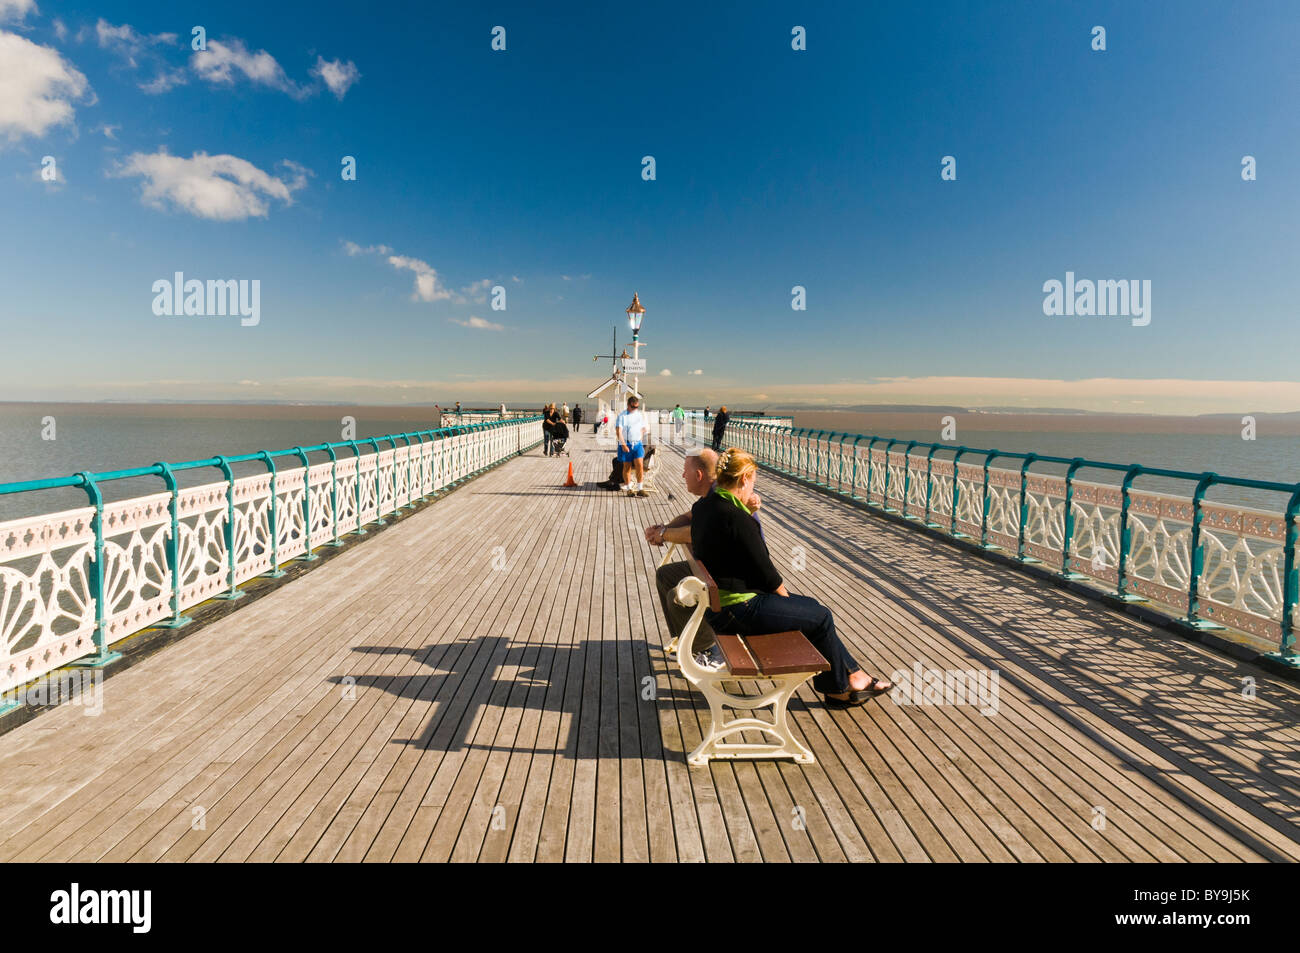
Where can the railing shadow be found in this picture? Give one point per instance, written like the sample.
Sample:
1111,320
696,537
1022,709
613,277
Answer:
1163,695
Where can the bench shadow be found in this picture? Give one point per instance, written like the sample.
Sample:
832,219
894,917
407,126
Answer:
489,693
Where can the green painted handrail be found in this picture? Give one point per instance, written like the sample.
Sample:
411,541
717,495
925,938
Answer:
956,486
929,485
1130,471
1067,542
984,508
96,581
1024,507
854,485
173,551
1197,552
871,455
907,472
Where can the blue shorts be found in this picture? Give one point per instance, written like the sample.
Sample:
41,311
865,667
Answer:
634,452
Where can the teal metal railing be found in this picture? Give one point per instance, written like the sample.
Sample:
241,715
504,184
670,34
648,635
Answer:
1205,563
76,581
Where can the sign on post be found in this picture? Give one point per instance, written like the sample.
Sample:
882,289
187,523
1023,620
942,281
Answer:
633,365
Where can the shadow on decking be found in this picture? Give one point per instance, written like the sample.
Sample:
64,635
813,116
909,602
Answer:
1165,697
483,685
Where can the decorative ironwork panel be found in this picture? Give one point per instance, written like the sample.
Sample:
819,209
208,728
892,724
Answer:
202,553
137,580
47,613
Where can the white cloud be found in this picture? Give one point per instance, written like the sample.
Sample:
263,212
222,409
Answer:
427,285
221,61
221,188
60,29
16,10
37,88
165,80
760,397
665,373
126,42
110,132
336,74
697,371
475,291
353,249
481,323
133,46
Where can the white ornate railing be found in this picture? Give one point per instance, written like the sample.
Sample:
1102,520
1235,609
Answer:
1206,563
74,582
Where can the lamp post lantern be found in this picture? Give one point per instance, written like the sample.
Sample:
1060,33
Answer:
635,314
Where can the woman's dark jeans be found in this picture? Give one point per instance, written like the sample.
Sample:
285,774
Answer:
546,443
768,612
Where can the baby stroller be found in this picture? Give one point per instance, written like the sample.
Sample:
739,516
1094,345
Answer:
559,436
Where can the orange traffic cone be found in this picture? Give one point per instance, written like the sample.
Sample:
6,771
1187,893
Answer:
569,480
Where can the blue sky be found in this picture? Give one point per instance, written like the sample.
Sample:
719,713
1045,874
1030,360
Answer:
774,168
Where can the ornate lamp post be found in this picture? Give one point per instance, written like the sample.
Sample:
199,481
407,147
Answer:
635,314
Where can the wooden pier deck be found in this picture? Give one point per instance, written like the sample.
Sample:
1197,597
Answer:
471,685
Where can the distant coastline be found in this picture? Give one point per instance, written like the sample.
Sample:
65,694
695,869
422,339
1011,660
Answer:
890,422
877,420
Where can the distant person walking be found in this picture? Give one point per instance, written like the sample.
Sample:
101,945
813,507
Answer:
564,412
503,410
679,422
577,417
706,412
720,426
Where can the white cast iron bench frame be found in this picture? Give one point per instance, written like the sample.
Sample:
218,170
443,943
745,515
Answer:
750,659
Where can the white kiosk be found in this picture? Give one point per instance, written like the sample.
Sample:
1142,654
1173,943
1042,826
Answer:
611,397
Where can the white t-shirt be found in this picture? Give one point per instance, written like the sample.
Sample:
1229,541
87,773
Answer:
630,425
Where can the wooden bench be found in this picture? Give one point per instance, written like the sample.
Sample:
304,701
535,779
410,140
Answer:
786,659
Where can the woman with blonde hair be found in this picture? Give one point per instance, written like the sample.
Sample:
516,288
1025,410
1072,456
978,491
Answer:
725,537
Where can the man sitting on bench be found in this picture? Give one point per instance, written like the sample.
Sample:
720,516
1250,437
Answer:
725,537
697,471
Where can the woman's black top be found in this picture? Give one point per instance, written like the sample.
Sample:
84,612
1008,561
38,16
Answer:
727,540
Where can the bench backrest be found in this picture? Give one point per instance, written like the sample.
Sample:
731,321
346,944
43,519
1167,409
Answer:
699,571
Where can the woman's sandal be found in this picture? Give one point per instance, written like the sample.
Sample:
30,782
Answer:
860,696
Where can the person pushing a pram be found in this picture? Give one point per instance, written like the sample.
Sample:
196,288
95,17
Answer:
559,436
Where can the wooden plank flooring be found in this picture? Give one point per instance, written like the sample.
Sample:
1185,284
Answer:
487,681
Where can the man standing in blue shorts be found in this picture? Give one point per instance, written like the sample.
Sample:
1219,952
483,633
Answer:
630,427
